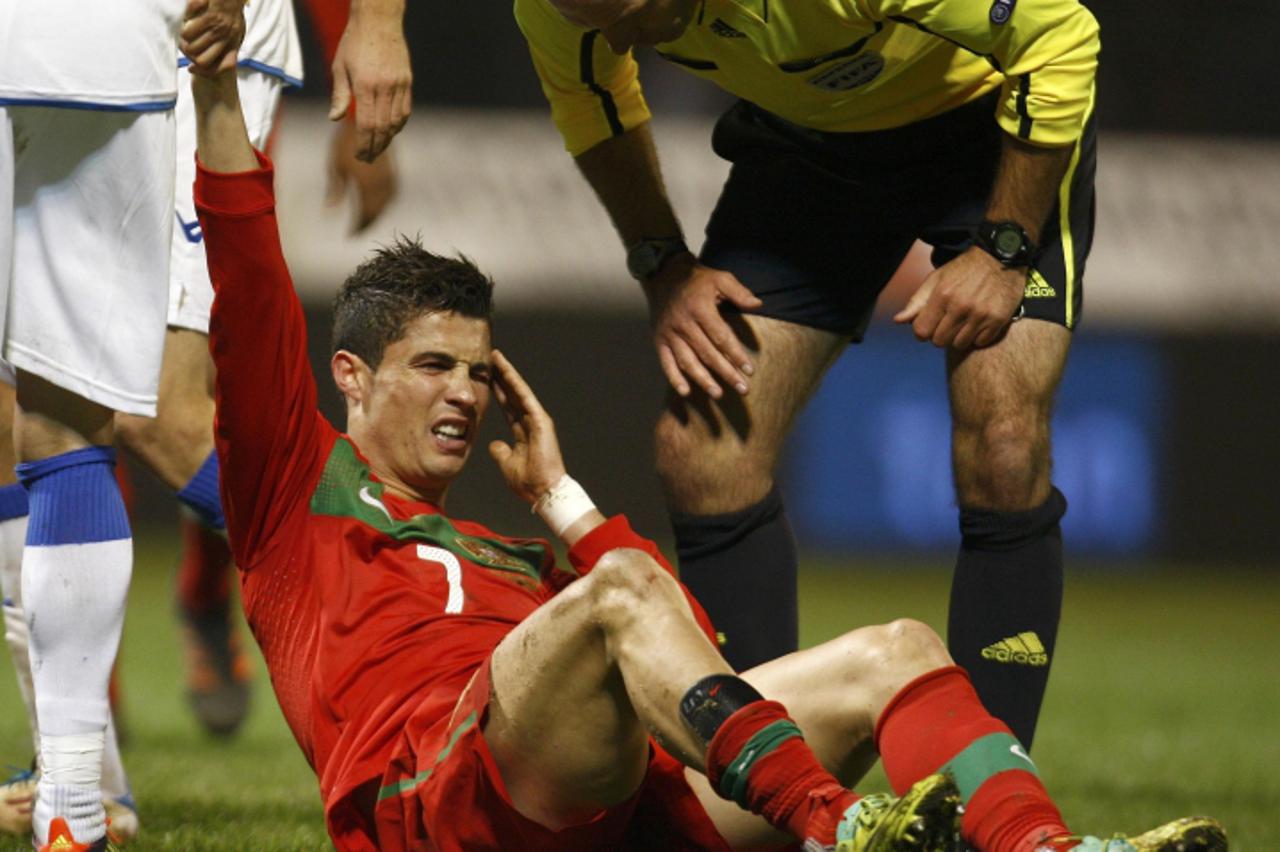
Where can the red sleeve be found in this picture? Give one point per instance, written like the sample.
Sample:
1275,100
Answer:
270,438
616,532
328,20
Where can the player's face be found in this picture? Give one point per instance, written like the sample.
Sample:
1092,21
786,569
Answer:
426,401
631,23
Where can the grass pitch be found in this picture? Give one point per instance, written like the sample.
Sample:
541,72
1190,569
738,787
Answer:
1164,702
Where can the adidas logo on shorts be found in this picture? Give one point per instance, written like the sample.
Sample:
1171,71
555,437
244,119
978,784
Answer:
1037,287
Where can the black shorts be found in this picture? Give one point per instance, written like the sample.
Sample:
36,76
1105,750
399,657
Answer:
816,223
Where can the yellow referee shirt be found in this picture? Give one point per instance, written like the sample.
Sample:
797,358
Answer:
838,65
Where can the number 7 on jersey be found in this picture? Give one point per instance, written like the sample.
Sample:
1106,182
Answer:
452,573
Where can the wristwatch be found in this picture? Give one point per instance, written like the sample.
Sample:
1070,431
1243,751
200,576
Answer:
1007,242
645,258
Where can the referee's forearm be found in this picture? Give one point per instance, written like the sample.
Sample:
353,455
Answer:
1026,184
624,172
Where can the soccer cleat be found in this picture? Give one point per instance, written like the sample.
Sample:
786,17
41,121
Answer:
17,798
218,671
926,819
61,840
1190,834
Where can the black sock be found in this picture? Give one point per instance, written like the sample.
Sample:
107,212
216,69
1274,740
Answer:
741,566
1006,599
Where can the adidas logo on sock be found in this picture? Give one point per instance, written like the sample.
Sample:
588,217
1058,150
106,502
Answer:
1025,649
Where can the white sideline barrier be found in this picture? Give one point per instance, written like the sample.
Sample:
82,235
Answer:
1187,227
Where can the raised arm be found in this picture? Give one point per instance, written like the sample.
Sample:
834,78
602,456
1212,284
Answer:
271,440
222,140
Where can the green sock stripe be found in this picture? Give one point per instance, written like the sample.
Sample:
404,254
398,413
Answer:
733,783
984,757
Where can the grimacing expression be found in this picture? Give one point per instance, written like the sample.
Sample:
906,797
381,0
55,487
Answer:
427,398
630,23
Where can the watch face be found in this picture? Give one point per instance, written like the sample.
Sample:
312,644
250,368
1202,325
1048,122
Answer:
642,261
1008,242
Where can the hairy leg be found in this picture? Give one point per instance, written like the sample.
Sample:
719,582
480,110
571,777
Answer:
178,440
1001,402
1006,596
719,456
716,459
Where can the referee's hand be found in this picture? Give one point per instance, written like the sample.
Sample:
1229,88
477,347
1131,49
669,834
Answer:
694,342
966,303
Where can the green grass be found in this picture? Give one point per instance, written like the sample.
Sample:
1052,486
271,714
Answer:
1164,701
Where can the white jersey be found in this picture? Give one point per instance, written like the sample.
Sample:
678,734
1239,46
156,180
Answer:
108,54
271,40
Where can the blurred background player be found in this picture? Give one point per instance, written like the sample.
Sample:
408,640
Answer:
454,689
861,127
177,443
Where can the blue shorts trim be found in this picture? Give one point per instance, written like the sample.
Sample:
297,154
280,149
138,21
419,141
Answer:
140,106
261,67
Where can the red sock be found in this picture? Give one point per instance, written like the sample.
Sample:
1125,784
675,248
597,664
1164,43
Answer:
936,722
759,759
204,578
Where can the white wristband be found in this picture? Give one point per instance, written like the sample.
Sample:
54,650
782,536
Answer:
564,503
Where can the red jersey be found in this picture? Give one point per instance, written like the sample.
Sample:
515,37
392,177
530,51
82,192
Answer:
369,608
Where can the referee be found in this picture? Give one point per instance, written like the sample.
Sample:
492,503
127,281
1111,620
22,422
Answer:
862,126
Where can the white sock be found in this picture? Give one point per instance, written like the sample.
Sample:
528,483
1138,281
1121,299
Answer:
75,577
74,597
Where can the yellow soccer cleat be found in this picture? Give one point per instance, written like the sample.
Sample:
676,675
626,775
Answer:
926,819
1189,834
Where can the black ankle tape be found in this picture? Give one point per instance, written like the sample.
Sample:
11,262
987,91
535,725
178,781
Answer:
712,700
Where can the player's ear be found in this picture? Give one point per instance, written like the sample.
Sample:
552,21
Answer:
351,375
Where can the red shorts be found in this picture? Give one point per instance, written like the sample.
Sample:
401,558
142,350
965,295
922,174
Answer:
442,791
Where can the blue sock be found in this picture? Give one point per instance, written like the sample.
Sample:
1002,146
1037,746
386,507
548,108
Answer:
201,494
74,498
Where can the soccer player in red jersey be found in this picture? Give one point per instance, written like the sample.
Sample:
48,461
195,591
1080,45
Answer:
453,688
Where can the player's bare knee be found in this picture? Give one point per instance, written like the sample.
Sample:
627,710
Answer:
626,584
886,656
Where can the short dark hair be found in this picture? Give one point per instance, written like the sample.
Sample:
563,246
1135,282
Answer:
400,283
